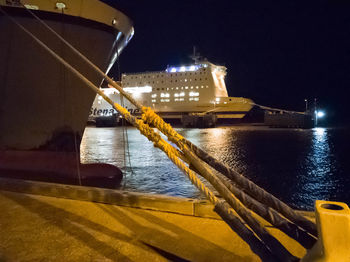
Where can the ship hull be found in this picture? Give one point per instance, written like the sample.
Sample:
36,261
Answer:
40,97
230,112
44,106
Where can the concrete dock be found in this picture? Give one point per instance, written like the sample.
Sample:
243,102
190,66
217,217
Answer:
52,222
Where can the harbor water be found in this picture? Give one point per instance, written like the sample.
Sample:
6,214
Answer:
296,165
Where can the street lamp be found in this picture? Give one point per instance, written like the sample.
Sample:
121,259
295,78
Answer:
305,104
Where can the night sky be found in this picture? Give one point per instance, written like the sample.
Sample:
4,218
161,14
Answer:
276,52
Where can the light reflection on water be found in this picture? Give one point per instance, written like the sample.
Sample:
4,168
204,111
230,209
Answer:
296,165
318,181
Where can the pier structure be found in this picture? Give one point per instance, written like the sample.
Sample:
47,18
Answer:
54,222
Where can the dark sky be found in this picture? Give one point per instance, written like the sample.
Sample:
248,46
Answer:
276,52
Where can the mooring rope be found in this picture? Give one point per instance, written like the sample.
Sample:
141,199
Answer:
256,245
272,243
271,216
165,128
255,191
248,186
225,212
251,188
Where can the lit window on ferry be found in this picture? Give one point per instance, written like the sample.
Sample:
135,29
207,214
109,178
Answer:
186,87
182,94
154,100
194,94
164,95
154,95
179,99
193,99
165,100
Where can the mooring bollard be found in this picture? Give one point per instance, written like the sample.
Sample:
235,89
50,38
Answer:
333,226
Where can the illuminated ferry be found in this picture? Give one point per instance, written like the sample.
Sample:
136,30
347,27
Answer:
178,91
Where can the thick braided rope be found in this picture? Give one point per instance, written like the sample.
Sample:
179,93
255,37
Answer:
150,117
170,151
189,173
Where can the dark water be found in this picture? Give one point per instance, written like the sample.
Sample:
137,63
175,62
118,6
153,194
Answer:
298,166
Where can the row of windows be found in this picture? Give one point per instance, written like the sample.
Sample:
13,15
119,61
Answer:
171,81
165,75
180,88
181,99
181,94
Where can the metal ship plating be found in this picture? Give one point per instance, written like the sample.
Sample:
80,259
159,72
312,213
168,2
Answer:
177,92
42,133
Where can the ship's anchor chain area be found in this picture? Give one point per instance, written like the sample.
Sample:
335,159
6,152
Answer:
239,198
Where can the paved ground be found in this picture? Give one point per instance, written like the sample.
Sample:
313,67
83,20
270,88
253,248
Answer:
41,228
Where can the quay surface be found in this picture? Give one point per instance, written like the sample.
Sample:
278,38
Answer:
52,222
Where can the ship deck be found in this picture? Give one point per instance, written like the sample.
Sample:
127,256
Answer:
137,227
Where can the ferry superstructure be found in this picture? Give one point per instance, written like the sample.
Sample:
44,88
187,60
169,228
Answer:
192,89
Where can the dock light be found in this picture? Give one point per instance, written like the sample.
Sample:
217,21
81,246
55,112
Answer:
173,70
320,114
